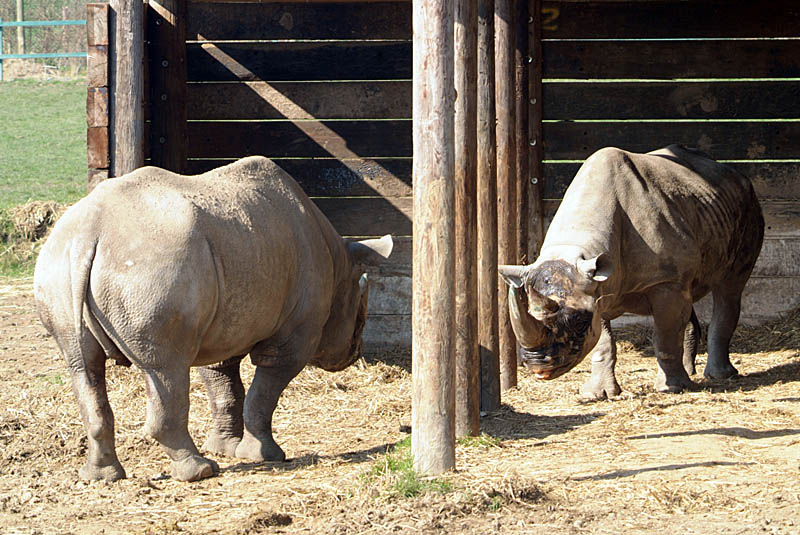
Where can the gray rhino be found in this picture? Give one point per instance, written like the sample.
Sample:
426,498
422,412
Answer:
167,272
648,234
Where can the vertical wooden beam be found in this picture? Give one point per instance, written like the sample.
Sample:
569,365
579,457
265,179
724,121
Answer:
535,209
126,87
468,383
504,44
522,135
166,31
487,213
97,101
433,309
20,29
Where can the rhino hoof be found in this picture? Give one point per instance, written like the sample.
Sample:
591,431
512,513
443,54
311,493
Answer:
221,445
594,391
252,449
193,468
725,372
110,472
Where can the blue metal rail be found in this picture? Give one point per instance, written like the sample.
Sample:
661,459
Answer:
38,23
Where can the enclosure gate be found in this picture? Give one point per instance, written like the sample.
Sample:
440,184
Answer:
324,89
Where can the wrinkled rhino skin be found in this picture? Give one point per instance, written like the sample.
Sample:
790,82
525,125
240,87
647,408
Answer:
167,272
648,234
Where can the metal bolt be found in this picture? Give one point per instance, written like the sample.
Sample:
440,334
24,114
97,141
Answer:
529,59
164,96
164,63
162,140
534,180
532,142
533,101
530,19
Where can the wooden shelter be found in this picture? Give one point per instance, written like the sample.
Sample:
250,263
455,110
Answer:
325,89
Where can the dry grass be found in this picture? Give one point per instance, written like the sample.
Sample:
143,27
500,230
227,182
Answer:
723,458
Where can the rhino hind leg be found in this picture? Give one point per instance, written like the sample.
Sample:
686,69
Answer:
691,339
89,387
226,399
725,316
671,315
603,383
168,418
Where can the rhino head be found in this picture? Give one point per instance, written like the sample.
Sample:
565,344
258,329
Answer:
552,310
340,345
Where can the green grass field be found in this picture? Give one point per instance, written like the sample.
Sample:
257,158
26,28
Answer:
42,141
42,156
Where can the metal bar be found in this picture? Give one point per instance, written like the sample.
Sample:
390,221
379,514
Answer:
44,23
53,55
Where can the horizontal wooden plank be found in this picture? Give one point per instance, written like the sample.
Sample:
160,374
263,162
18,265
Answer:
368,216
298,61
281,20
671,59
781,218
772,180
671,100
338,139
325,177
721,140
389,295
778,258
298,100
665,18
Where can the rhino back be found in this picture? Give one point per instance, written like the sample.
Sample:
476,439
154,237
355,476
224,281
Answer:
673,215
215,262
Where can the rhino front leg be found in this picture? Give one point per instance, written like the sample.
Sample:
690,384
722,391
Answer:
226,399
671,314
168,418
262,397
724,318
603,383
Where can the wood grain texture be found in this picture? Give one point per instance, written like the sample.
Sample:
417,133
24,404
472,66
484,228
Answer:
368,216
771,180
339,139
487,213
433,304
126,86
297,100
535,227
273,62
467,358
521,121
281,20
671,59
505,108
671,100
665,18
166,29
720,140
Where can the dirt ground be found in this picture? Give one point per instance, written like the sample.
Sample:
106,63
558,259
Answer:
722,459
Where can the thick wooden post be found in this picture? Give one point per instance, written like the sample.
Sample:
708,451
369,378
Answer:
20,29
506,177
433,309
126,88
166,32
97,101
487,213
522,135
535,209
468,384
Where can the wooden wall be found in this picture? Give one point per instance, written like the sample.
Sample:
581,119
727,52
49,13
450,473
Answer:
723,76
324,89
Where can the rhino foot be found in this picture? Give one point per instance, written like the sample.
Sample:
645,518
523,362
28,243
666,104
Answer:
720,372
110,472
673,385
253,449
222,445
599,389
193,468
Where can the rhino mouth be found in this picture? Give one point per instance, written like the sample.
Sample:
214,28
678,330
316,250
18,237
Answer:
548,362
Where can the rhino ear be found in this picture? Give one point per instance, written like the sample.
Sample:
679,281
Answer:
598,269
513,275
370,252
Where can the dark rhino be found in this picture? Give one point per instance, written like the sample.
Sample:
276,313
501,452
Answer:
647,234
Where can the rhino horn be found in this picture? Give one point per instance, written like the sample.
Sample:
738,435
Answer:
531,332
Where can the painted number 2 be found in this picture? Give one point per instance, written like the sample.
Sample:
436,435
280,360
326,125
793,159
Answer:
549,18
